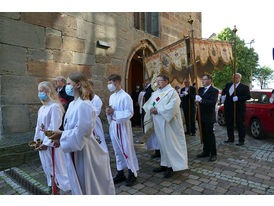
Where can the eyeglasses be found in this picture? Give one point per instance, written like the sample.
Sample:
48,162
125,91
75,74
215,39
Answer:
205,79
160,80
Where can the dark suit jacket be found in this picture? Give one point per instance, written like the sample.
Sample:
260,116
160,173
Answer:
148,93
207,105
243,94
66,97
185,99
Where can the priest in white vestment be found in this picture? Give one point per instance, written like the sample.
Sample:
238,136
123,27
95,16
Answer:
87,162
163,115
119,112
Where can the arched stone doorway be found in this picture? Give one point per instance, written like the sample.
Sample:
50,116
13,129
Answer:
135,74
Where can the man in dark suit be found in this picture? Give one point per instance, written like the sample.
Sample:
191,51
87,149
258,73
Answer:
207,98
60,84
242,94
148,90
187,96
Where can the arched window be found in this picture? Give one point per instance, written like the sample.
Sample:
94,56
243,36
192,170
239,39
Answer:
147,22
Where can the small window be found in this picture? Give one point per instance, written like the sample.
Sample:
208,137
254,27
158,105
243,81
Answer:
147,22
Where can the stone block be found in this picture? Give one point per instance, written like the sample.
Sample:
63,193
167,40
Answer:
11,15
43,69
67,69
15,118
54,32
62,56
12,60
21,34
17,90
80,58
73,44
113,70
53,20
102,59
36,55
86,70
90,46
85,30
53,42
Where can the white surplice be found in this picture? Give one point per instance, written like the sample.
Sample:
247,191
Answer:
50,116
121,132
88,164
98,129
152,142
168,127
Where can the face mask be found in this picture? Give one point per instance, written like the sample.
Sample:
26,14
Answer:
69,90
42,96
111,87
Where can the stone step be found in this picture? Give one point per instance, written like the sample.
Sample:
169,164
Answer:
26,181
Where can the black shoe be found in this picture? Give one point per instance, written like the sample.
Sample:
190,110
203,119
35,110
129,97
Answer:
130,181
193,134
120,177
156,154
203,154
212,158
187,132
240,144
229,141
160,169
168,173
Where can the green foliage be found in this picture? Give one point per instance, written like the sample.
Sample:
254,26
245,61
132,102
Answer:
246,61
263,75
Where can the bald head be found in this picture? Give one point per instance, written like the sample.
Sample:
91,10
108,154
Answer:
60,82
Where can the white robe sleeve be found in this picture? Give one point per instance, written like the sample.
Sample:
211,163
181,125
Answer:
75,139
56,115
169,110
37,129
124,114
97,103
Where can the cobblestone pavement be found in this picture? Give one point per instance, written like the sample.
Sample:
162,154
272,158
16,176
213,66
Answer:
247,169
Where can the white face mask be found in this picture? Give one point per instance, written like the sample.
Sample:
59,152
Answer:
111,87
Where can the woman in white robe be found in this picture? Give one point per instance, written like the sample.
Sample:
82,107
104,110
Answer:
88,164
50,118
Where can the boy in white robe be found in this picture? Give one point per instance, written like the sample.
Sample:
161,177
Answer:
119,112
50,119
88,164
163,113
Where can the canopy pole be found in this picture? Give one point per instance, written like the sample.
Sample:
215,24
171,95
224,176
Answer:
190,21
234,80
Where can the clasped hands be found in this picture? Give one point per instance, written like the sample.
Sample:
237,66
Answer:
109,111
153,110
55,138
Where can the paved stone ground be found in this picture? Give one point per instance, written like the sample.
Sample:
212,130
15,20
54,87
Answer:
248,170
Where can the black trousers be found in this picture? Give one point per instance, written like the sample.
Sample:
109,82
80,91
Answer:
208,138
190,126
229,118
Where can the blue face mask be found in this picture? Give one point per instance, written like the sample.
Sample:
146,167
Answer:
42,96
69,90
